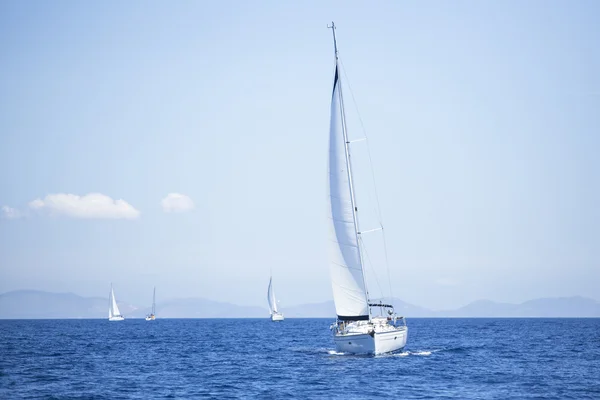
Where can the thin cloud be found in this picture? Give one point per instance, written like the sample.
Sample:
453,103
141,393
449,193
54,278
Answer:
10,213
92,205
177,202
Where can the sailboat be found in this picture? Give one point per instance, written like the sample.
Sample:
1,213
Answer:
113,310
276,315
152,315
356,329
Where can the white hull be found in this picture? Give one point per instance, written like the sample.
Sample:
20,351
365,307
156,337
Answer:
375,343
277,317
117,318
150,318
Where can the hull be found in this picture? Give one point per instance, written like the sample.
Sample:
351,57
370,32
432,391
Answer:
152,318
375,343
277,317
118,318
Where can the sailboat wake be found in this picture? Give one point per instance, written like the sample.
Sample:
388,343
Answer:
412,353
401,354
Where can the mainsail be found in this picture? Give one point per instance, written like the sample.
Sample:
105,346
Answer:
349,292
113,309
271,297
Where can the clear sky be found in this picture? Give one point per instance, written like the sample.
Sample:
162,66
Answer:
483,121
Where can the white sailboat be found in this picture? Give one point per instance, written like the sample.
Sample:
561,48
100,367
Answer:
356,330
152,315
276,315
113,310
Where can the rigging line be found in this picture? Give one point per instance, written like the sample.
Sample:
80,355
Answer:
362,125
385,252
364,131
370,265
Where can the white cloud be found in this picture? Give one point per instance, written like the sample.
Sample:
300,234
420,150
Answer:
93,205
36,204
10,213
177,202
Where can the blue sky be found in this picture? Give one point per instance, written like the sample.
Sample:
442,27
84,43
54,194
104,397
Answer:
482,119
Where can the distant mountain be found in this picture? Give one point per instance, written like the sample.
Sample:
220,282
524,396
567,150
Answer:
327,310
37,304
576,306
25,304
202,308
312,310
549,307
410,310
482,308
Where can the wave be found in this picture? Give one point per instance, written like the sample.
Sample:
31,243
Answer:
422,353
412,353
332,352
402,354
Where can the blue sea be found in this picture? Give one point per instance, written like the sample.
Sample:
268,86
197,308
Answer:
251,358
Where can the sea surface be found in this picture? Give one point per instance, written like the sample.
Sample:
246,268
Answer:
252,358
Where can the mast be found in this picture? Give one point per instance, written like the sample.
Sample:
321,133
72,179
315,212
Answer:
154,301
332,27
269,295
349,168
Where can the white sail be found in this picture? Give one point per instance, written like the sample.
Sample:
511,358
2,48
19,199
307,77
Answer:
271,297
346,270
110,299
114,308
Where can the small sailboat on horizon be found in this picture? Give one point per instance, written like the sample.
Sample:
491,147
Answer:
276,315
113,309
356,329
152,315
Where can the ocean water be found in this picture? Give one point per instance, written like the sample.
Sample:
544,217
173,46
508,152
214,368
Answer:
251,358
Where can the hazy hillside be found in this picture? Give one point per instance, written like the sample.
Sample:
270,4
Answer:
548,307
327,310
202,308
38,304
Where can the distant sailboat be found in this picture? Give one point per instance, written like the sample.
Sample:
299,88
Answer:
356,329
275,314
152,315
113,310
